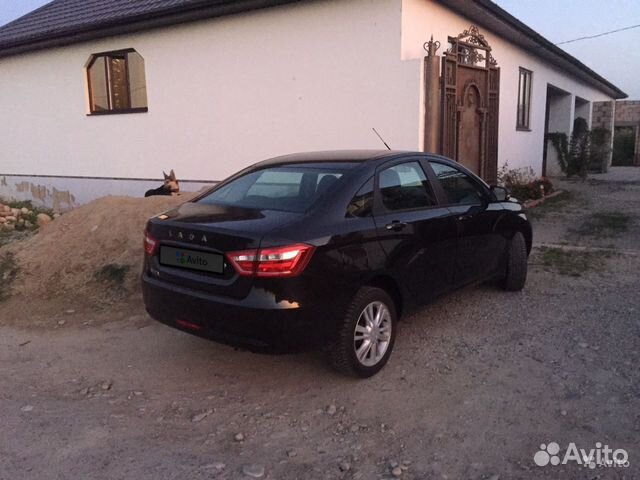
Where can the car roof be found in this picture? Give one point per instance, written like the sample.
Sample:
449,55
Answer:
332,156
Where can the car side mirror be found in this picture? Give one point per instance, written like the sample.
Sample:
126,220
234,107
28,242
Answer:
500,193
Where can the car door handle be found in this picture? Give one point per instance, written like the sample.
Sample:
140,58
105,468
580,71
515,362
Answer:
466,216
396,225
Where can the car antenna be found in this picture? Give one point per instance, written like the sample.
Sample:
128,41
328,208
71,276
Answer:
381,139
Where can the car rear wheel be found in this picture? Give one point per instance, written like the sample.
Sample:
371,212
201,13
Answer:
516,275
365,336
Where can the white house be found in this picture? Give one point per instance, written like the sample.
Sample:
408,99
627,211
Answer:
99,96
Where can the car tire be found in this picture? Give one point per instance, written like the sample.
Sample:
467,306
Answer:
517,257
348,352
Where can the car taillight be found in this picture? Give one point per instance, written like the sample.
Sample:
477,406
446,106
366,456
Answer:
287,261
150,244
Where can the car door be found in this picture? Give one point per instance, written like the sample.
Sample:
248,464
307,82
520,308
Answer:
417,235
480,244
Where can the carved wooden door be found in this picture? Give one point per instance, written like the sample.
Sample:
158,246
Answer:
470,101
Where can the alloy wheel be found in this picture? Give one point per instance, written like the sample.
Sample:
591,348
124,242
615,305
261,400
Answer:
372,334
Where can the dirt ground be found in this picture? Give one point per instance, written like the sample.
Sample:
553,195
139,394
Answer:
477,382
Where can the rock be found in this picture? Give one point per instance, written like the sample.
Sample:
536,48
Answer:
216,466
292,453
28,224
494,477
9,227
563,413
201,416
70,311
583,345
253,470
344,466
10,219
106,385
61,322
2,220
239,437
15,212
27,408
24,211
56,215
396,472
331,409
43,219
393,464
84,391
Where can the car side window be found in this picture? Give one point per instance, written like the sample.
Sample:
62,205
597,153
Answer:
405,186
460,188
362,203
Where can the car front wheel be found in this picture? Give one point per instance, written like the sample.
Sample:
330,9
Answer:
516,275
365,336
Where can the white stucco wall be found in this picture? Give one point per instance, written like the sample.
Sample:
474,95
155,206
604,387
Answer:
222,94
423,18
227,92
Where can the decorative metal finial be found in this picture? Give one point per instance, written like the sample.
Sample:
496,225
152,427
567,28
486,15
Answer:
431,47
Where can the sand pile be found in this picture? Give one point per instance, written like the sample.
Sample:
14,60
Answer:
88,251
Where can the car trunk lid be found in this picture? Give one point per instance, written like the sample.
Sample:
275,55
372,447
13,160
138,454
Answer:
211,229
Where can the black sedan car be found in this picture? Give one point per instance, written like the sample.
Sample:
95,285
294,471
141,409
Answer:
329,249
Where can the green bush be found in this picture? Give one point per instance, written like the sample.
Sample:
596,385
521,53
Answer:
585,150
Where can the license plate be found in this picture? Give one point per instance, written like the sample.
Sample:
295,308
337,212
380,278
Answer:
192,259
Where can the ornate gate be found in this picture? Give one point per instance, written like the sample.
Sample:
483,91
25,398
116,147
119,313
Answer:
470,86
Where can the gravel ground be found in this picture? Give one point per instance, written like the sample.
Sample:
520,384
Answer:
477,382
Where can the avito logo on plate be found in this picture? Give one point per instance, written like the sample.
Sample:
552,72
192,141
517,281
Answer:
187,259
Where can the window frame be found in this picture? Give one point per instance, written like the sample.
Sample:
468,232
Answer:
372,179
107,55
443,197
379,207
525,124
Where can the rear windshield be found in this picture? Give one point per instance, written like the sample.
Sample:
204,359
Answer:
286,188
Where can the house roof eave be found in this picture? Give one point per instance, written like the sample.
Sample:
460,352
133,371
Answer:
494,18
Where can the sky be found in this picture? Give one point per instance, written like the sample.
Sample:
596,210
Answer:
615,57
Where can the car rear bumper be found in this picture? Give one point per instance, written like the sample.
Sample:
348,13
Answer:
266,325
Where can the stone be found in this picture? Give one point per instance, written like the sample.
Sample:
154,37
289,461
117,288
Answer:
396,472
292,453
216,466
253,470
106,385
563,413
201,416
28,224
11,219
583,345
43,219
331,409
344,466
239,437
24,211
27,408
